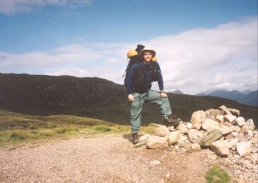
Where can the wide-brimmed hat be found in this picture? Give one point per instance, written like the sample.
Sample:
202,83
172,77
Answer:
146,48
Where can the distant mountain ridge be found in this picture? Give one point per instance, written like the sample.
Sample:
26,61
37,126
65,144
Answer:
96,98
246,97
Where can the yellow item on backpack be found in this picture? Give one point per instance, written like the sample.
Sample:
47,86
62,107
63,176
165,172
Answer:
154,59
131,53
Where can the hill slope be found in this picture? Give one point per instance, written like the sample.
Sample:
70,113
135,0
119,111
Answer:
95,98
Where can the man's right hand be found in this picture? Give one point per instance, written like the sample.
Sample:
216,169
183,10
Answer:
130,97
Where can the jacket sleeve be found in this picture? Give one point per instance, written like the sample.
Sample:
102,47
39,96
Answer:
160,81
129,79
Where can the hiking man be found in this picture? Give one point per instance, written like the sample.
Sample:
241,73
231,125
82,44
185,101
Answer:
139,93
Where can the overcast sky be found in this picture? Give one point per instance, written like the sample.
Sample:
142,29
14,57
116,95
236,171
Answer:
200,44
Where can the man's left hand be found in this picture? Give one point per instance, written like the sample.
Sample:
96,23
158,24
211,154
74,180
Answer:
163,95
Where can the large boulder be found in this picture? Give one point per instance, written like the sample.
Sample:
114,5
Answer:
210,124
198,116
240,121
211,137
174,137
195,136
220,147
234,111
230,118
225,129
161,131
156,142
214,112
249,124
224,108
243,147
220,118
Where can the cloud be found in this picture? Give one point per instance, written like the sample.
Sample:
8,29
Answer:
192,61
13,6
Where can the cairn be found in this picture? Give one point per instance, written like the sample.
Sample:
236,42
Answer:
222,130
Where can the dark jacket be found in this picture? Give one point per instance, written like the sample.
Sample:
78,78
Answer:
147,84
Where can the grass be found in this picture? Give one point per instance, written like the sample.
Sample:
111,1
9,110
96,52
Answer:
217,175
17,128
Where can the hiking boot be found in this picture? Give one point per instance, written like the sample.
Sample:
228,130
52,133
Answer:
172,120
135,138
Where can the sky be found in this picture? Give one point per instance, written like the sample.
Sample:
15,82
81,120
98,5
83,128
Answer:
200,44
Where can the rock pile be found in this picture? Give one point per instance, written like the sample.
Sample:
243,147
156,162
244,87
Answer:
222,130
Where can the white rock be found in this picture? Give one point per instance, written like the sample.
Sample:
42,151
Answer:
243,147
225,129
249,124
154,162
156,142
220,118
234,111
234,134
195,136
233,143
249,134
161,131
235,128
230,118
198,116
189,126
224,108
171,129
220,147
142,140
173,137
182,128
240,121
195,147
210,124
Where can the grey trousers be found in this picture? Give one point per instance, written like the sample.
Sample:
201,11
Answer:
148,97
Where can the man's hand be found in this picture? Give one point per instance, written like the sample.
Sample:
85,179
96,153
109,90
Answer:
163,94
130,97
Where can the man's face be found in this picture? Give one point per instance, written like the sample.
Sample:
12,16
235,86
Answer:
147,56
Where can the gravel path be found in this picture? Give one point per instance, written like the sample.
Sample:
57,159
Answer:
102,158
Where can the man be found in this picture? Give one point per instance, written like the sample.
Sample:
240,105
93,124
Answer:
138,95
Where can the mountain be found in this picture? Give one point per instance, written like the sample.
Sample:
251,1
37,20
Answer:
177,92
246,97
96,98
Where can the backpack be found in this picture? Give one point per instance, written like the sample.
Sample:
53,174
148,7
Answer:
140,76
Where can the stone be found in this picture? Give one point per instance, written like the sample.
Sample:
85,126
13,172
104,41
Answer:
226,123
243,147
171,129
198,116
195,136
142,140
195,147
240,121
156,142
249,134
234,111
235,128
212,156
189,126
234,134
230,118
225,129
173,137
210,124
154,162
182,128
224,108
161,131
211,137
249,124
214,112
220,147
254,140
197,125
220,118
233,143
228,136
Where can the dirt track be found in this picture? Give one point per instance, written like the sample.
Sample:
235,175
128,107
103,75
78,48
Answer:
102,158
